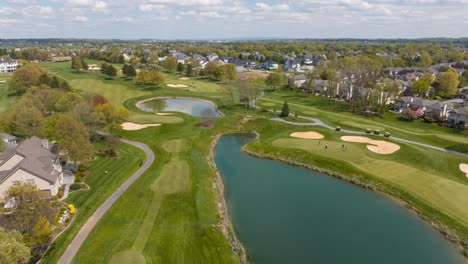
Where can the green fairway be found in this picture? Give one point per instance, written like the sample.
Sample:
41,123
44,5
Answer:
155,119
102,185
170,214
447,195
175,145
7,99
337,114
116,93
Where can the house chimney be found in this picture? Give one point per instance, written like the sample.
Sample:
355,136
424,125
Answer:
45,144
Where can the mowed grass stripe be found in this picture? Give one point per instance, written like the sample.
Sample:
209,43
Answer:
155,119
447,195
115,93
102,185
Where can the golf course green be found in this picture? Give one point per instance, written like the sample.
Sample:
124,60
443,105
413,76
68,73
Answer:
289,214
173,213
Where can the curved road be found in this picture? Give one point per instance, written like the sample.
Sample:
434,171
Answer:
318,122
92,221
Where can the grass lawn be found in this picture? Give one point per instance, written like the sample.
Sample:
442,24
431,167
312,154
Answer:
338,114
155,119
169,215
102,186
428,178
7,99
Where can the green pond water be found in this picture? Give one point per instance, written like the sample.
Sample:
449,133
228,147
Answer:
289,214
188,106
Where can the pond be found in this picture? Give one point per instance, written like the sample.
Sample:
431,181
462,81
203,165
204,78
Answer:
193,107
289,214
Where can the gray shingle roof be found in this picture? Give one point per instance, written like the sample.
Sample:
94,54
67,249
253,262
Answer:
37,160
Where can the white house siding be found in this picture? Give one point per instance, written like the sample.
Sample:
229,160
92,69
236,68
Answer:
11,163
8,66
24,176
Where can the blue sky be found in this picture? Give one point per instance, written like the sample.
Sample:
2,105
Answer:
200,19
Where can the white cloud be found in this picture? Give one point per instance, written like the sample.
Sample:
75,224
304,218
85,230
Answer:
268,8
80,19
186,2
151,7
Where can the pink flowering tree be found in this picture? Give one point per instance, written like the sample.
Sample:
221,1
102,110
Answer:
420,112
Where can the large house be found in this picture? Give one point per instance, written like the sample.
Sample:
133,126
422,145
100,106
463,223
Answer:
430,107
8,66
458,116
269,65
34,161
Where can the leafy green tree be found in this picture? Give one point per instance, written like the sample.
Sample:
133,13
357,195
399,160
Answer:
420,87
73,137
64,85
109,115
129,71
84,64
170,64
25,77
220,72
448,83
275,80
154,78
231,72
109,70
384,92
180,67
425,59
463,79
12,248
68,101
76,63
285,110
189,70
211,69
121,59
31,204
54,82
42,231
27,119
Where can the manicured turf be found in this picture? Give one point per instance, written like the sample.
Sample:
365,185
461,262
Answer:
155,119
427,178
115,93
169,215
102,185
447,195
175,145
7,99
338,114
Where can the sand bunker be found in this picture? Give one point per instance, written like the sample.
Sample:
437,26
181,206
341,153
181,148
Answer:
307,135
177,85
93,67
377,146
134,126
163,114
464,168
184,78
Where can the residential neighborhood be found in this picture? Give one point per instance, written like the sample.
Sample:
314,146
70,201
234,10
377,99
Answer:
233,132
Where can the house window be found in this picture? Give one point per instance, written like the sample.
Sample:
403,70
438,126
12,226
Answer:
16,183
30,181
